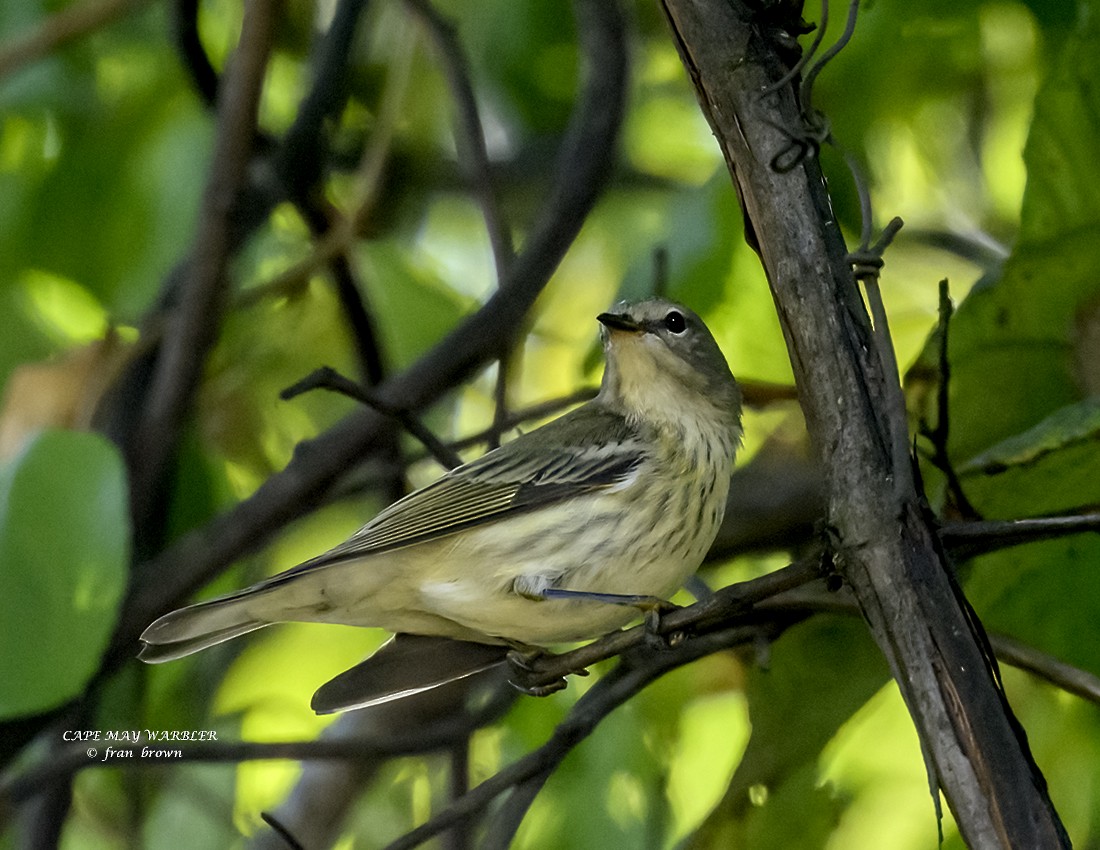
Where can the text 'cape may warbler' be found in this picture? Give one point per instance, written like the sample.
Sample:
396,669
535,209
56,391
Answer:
620,497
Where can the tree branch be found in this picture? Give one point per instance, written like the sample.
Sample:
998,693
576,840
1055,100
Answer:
469,136
327,378
192,326
615,688
969,539
885,545
583,170
70,23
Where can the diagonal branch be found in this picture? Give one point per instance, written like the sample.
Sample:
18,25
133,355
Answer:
583,171
615,688
884,542
70,23
469,136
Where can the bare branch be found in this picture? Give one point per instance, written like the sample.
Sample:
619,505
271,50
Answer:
185,19
67,25
469,136
1042,665
327,378
968,539
615,688
583,171
885,544
192,326
1070,679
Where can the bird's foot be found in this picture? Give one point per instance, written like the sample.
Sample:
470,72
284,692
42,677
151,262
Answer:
526,677
656,637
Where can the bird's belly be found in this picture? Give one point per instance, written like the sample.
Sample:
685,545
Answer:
595,546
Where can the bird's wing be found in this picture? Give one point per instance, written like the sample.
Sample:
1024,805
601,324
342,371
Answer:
582,452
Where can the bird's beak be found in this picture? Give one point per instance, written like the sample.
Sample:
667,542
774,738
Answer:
619,322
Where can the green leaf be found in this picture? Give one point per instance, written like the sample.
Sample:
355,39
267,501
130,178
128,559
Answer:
1068,426
64,550
421,308
1063,170
1043,594
818,675
1020,344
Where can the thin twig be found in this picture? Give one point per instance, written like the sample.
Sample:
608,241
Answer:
939,435
284,833
660,271
185,31
615,688
970,538
300,160
796,69
70,759
458,838
867,262
303,153
342,235
469,135
329,379
500,400
533,412
1070,679
805,91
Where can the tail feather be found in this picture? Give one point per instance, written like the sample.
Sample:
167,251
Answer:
407,665
197,627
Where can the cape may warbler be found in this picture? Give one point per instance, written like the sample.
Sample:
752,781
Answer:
541,540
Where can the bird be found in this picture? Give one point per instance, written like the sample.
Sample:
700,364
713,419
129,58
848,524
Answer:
557,536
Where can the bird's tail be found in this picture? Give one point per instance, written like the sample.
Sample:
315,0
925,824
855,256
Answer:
412,664
198,627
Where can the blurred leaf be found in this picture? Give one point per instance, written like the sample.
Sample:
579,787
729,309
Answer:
819,673
121,126
64,539
1044,594
193,808
420,309
772,826
607,792
527,59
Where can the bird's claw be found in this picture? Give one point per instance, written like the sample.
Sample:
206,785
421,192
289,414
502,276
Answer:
525,674
655,638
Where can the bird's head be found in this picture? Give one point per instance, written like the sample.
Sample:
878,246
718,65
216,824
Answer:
663,362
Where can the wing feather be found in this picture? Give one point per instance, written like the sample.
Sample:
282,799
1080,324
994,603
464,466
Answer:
582,452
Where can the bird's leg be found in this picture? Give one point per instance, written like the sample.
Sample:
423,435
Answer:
643,603
540,587
652,608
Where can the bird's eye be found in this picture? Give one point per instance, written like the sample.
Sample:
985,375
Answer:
675,322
